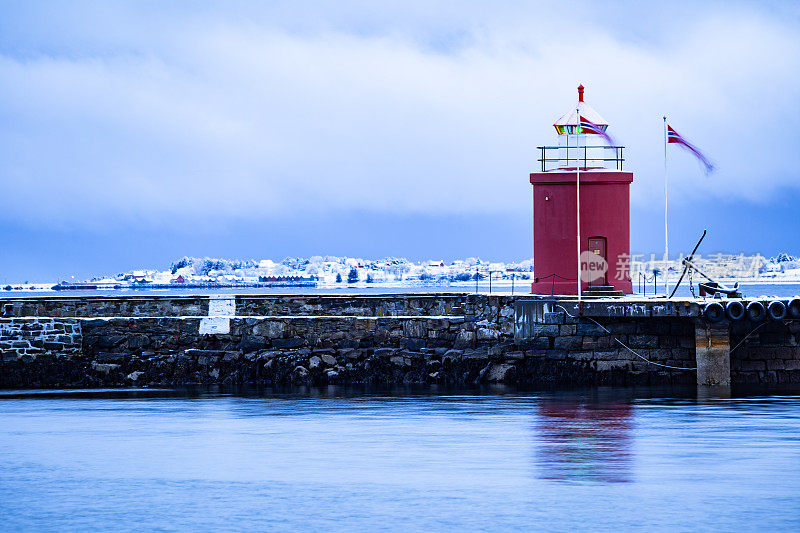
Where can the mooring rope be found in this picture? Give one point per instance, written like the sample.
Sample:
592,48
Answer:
751,332
624,345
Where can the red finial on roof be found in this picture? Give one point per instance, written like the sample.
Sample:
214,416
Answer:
580,93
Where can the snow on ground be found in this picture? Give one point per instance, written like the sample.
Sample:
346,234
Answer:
339,272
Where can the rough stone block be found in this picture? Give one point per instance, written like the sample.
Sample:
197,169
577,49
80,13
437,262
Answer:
683,354
610,355
621,327
653,327
414,328
475,354
546,330
189,326
110,357
486,334
271,329
412,344
590,329
501,373
282,344
594,343
659,354
681,328
686,342
53,346
541,343
779,364
348,344
554,318
772,338
643,341
568,343
748,365
667,341
606,366
105,368
134,376
499,349
534,354
464,339
568,329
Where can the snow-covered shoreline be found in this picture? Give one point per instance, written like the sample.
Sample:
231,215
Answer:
334,273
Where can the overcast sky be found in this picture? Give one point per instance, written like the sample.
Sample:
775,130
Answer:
132,133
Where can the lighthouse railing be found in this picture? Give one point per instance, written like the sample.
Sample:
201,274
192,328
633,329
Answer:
584,156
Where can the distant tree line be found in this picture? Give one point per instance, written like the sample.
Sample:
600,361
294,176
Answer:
202,266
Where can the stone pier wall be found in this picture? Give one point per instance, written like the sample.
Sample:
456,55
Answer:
247,305
766,353
451,339
22,339
90,307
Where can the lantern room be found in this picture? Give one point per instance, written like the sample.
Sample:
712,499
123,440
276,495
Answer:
583,169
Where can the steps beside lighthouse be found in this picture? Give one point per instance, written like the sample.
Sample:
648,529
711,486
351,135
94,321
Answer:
601,291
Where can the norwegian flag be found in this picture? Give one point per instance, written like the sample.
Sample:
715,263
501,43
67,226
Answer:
674,137
588,126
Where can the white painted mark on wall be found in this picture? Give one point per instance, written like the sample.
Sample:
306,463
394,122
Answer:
222,306
220,311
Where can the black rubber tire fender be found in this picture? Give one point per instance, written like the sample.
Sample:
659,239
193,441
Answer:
776,310
756,311
734,310
794,308
714,312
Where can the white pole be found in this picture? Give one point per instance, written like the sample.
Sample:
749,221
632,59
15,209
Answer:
533,219
666,231
578,193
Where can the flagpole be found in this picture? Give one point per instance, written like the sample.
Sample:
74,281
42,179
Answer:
578,196
666,230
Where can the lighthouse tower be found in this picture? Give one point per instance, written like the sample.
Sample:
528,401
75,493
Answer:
582,169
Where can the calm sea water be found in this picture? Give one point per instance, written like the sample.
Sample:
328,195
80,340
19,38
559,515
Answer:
504,287
332,460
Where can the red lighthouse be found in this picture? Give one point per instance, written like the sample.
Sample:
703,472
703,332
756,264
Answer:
582,170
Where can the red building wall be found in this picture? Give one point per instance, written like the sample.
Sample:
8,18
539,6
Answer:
604,213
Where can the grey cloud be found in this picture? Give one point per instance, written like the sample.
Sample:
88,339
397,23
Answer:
428,110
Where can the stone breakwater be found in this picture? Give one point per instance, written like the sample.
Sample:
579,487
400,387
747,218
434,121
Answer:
379,340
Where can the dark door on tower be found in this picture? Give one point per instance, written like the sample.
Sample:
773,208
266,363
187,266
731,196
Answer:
597,245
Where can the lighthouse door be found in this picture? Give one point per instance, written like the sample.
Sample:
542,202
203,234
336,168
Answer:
597,245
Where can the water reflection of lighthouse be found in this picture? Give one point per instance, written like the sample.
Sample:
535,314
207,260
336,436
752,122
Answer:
584,440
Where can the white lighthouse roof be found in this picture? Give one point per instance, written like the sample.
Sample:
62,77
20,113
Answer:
571,118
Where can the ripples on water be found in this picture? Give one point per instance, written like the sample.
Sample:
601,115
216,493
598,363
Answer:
347,460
